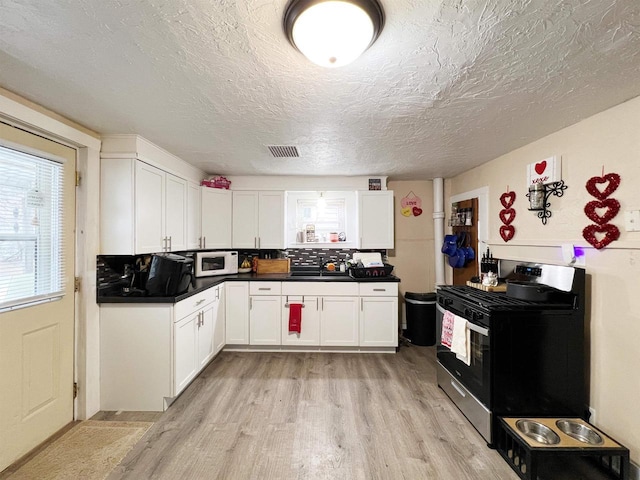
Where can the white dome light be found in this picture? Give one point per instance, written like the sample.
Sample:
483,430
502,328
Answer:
333,33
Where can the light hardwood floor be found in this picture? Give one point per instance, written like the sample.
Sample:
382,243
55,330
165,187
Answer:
314,416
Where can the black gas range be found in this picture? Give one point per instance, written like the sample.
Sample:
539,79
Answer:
527,353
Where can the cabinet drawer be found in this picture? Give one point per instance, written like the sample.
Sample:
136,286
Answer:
320,288
195,302
265,288
379,289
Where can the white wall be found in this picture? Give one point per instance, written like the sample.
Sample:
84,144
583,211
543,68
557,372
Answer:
611,140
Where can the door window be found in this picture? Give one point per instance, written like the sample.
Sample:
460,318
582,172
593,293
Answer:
31,236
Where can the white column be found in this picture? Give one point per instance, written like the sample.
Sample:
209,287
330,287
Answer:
438,228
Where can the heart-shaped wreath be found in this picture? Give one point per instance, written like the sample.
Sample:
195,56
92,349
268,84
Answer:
611,204
507,215
507,232
613,180
609,230
507,199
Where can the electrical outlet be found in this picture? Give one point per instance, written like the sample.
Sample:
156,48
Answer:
632,221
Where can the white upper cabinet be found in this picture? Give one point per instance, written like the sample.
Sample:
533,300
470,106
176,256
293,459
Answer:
175,213
376,219
216,218
142,209
149,205
147,198
258,220
193,216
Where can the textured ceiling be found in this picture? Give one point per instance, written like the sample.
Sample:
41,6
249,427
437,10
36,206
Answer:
449,84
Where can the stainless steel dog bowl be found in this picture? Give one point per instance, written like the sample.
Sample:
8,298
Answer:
580,431
538,432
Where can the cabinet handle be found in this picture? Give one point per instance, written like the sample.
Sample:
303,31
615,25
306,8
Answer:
264,288
259,242
250,303
164,244
199,242
169,243
204,242
379,289
255,242
200,301
217,293
361,304
322,303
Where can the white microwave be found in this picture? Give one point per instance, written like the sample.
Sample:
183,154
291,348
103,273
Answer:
216,263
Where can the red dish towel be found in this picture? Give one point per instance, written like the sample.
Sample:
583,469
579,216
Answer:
295,317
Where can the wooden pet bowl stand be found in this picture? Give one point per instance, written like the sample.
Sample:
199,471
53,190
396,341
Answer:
568,459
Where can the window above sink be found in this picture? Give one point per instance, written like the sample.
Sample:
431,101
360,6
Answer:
326,219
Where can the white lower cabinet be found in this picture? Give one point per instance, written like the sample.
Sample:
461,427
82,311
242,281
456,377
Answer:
336,313
379,314
339,321
149,353
264,313
237,313
219,329
309,326
185,348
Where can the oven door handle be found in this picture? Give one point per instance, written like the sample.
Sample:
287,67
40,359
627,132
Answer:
472,326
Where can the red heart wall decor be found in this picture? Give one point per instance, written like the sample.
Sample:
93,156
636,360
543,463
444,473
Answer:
610,232
611,204
507,215
594,191
417,211
507,199
541,167
507,232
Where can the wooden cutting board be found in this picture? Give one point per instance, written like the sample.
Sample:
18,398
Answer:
275,265
501,287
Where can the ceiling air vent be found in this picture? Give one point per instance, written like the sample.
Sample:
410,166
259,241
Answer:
283,151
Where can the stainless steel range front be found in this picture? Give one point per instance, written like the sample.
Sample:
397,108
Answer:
526,347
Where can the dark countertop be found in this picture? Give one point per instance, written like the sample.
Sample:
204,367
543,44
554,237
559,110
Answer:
202,284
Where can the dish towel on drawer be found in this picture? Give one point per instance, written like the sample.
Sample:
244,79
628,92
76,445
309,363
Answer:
295,317
460,340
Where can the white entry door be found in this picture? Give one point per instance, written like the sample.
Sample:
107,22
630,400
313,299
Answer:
37,217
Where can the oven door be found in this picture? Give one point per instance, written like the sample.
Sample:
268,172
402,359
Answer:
476,376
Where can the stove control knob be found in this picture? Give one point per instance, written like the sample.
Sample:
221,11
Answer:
468,313
477,316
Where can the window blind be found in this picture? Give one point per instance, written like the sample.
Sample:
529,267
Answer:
31,236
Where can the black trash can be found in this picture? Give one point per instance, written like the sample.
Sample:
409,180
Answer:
421,318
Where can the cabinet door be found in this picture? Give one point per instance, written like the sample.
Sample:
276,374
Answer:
379,322
175,213
237,313
219,328
206,328
149,208
193,216
216,217
376,219
184,349
271,220
245,219
309,326
339,321
264,320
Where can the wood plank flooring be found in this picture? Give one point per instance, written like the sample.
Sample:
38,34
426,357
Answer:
314,416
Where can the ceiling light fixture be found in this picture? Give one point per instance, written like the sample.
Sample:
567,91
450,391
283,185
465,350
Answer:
333,33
